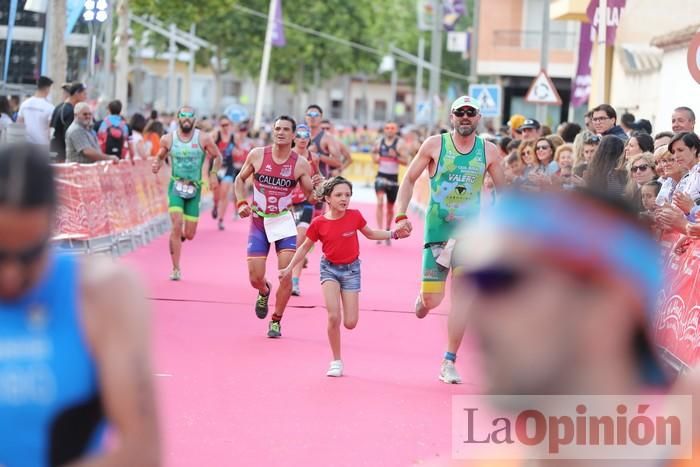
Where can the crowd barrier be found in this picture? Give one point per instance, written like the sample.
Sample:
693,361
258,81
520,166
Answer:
677,325
108,207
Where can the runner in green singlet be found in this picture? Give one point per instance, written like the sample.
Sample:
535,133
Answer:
456,163
188,149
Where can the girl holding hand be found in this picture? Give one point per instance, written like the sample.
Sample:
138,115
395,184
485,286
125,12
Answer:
340,265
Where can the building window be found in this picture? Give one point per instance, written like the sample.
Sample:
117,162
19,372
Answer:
77,63
22,18
561,33
336,109
379,113
231,88
360,112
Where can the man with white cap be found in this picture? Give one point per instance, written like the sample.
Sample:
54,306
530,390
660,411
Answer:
457,163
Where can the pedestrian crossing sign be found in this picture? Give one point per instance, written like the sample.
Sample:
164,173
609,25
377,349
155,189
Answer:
489,97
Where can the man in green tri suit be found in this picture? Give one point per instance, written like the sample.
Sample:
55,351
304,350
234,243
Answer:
188,148
456,163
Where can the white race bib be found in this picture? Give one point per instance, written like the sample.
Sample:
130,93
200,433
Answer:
185,190
279,227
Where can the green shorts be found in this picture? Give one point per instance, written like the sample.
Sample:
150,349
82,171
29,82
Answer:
434,275
188,207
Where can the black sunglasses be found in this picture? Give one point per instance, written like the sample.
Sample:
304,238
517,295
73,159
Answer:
639,168
469,112
492,280
592,140
27,256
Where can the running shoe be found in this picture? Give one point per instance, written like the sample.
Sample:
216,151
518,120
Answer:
221,224
336,369
448,373
215,212
176,275
261,303
295,290
274,329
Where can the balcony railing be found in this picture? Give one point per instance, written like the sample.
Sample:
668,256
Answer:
522,39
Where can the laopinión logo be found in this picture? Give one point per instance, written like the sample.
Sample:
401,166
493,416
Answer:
572,427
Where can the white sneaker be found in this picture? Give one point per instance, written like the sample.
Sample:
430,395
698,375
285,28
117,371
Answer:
336,369
448,373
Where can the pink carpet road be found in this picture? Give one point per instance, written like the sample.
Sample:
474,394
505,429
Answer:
229,396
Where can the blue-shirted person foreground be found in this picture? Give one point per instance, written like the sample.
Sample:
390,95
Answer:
74,338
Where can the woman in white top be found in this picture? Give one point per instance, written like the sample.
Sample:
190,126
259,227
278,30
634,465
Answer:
137,146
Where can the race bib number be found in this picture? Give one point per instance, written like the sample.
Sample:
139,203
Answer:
185,190
279,227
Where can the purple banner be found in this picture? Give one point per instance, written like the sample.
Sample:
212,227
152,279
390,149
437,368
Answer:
589,32
614,13
452,11
582,82
278,39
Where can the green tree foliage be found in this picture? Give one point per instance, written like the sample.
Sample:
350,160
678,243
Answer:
239,36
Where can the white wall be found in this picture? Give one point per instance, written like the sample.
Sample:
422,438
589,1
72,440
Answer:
637,93
676,88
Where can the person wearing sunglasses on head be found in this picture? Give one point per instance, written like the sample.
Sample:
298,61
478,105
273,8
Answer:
74,337
322,142
188,149
303,206
276,171
456,162
389,153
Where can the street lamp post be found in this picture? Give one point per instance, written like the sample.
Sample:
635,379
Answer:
95,12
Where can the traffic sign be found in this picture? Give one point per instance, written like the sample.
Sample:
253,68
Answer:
542,91
694,57
237,113
489,97
457,41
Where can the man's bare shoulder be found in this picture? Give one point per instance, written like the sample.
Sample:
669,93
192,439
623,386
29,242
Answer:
431,146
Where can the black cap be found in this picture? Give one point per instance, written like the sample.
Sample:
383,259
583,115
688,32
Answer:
530,123
75,88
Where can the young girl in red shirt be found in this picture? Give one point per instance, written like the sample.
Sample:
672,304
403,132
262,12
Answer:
340,265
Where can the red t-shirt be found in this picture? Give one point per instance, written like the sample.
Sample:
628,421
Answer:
338,236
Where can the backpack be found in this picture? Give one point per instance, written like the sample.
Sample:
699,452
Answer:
111,139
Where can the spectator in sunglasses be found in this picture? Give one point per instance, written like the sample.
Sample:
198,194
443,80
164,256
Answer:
544,152
642,170
79,333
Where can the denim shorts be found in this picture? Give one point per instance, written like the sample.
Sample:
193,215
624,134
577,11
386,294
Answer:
347,275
